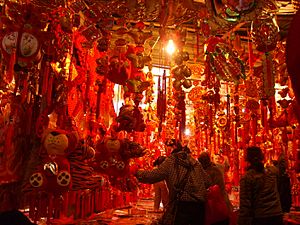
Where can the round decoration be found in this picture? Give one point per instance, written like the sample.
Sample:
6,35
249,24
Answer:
9,42
252,105
265,33
195,94
36,180
26,44
63,178
222,121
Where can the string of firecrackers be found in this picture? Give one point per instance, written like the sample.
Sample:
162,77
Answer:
222,61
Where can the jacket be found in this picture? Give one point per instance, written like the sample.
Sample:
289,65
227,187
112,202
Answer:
259,197
173,170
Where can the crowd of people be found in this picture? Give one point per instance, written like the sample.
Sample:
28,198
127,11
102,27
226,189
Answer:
182,183
262,199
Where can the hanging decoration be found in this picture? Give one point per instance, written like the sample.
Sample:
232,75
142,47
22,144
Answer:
228,14
222,62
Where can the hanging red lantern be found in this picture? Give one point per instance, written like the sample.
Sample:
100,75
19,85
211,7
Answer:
264,31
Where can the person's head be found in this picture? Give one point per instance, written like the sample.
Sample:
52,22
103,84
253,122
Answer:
159,160
204,159
275,163
174,145
254,156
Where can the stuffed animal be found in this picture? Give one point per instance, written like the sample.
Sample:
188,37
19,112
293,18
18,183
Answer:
130,119
113,156
53,175
108,159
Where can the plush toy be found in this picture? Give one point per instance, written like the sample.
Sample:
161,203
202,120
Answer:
108,159
113,156
53,175
130,119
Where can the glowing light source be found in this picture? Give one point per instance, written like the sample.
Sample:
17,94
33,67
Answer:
171,47
187,132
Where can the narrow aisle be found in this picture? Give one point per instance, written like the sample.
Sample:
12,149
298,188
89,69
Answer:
140,213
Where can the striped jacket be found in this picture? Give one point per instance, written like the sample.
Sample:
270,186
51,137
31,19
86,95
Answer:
173,170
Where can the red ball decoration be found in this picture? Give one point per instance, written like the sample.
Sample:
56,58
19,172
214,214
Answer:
264,31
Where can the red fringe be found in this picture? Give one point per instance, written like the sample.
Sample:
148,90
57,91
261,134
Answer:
49,89
10,69
45,76
24,92
9,135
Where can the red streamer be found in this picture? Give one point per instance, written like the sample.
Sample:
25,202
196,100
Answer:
11,65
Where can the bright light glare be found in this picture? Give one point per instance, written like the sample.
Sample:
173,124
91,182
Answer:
171,47
187,132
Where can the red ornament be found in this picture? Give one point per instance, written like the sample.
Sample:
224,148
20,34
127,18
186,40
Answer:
264,31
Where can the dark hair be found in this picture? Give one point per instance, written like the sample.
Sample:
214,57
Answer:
171,142
255,157
159,160
178,148
204,159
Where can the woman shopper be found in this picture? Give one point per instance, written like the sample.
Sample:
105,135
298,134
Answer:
217,178
259,197
187,183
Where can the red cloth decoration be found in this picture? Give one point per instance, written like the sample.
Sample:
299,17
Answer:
216,209
293,53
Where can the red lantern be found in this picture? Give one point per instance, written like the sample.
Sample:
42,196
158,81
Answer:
264,31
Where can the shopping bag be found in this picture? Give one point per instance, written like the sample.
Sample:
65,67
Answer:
216,209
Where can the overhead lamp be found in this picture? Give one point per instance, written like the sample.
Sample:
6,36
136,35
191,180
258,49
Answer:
171,47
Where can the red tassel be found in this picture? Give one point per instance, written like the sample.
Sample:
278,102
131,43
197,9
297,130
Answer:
24,92
10,69
49,89
9,137
254,129
45,76
31,206
50,207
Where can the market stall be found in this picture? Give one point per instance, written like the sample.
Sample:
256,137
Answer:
88,90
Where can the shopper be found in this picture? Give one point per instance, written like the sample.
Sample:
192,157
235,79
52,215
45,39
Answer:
284,184
161,192
217,178
14,217
187,183
259,197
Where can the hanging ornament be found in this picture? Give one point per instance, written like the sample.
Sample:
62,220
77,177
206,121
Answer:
264,31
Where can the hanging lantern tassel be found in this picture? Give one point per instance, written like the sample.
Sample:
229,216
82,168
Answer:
49,89
254,128
9,136
268,76
264,115
46,72
10,69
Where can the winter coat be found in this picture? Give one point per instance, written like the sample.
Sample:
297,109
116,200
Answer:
259,196
173,170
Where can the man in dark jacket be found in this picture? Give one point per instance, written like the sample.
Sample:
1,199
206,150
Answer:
259,197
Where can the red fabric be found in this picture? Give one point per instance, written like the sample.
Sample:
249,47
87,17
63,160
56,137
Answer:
215,208
293,54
